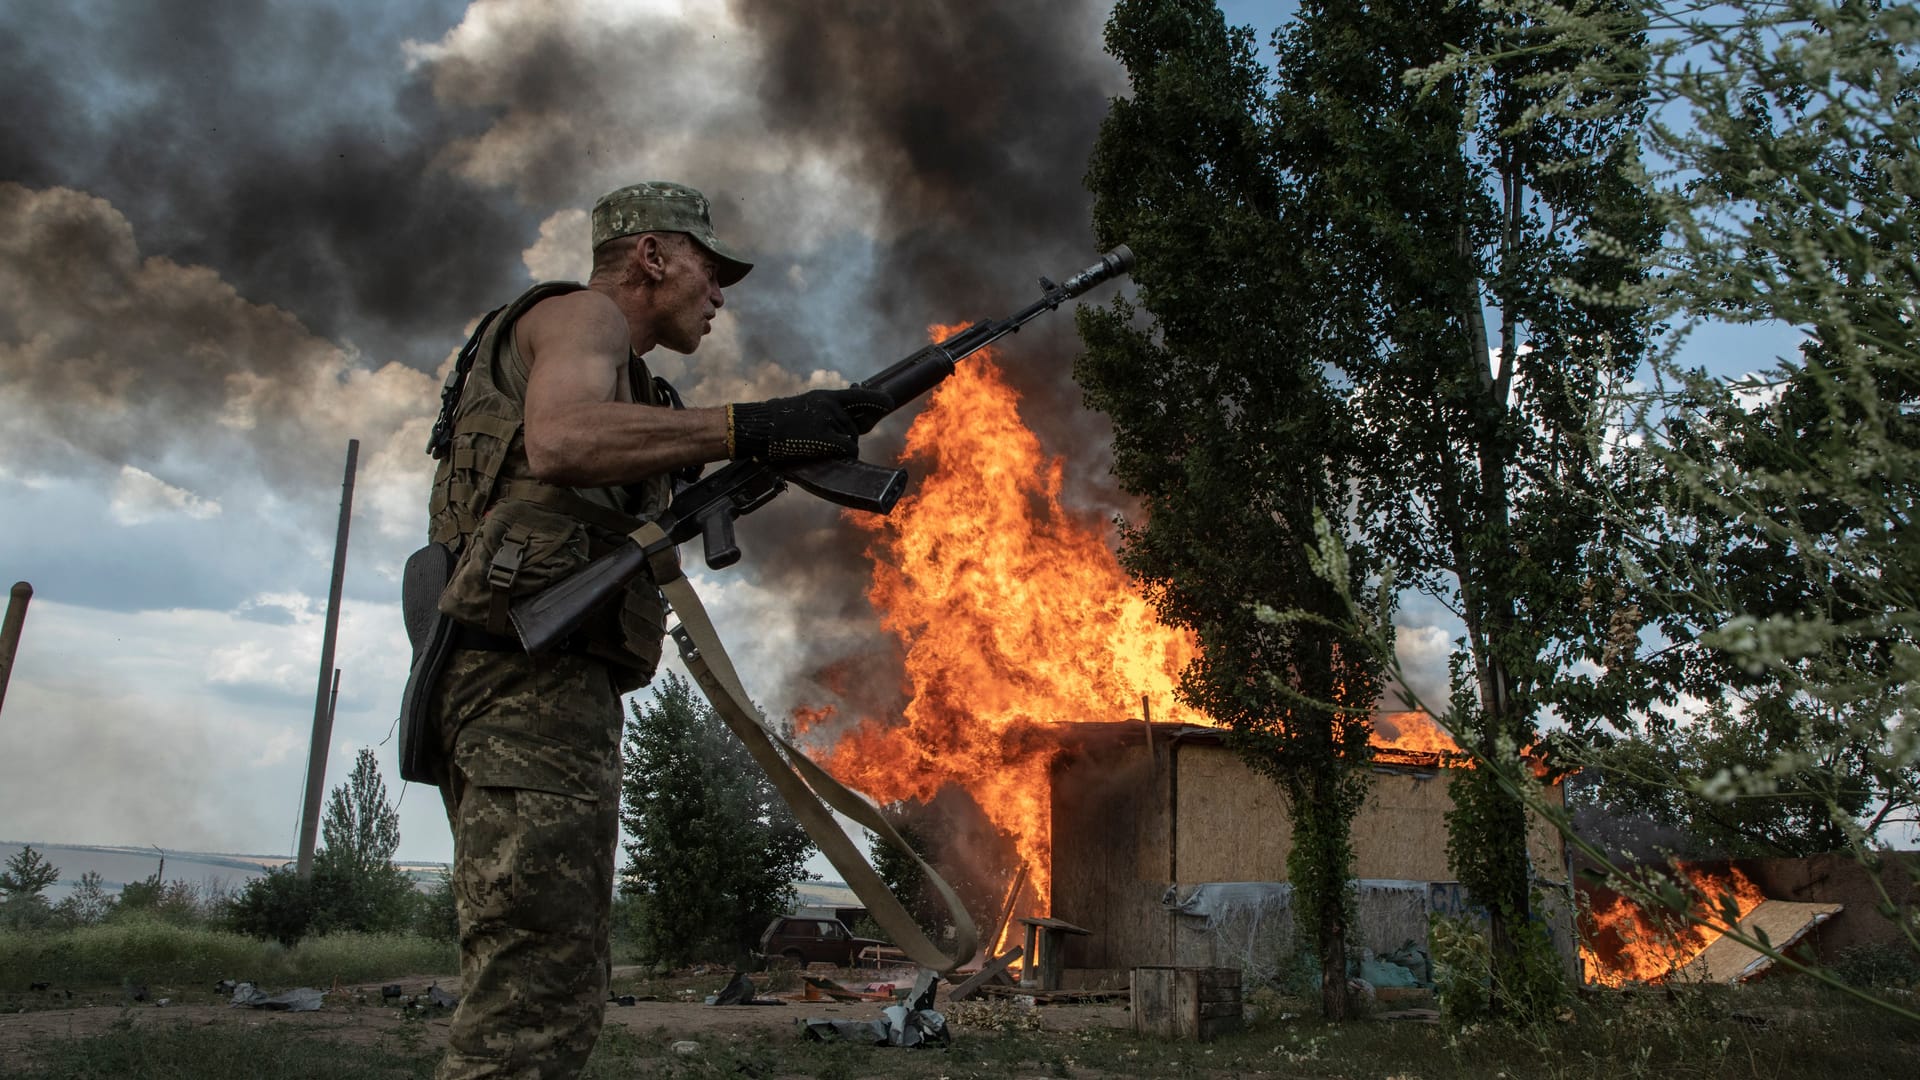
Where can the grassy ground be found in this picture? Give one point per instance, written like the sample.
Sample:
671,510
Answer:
176,961
1776,1030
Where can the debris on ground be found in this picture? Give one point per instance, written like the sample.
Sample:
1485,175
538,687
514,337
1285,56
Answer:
914,1023
302,999
739,991
821,987
440,999
993,1014
686,1048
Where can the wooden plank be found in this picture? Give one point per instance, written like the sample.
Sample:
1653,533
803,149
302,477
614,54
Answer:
1053,924
1152,1001
985,975
1725,960
1186,1003
992,940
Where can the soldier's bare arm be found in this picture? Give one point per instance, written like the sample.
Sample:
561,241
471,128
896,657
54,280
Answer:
582,427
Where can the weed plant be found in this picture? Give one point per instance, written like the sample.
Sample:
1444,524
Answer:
136,949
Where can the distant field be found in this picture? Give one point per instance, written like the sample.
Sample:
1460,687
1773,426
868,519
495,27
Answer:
119,865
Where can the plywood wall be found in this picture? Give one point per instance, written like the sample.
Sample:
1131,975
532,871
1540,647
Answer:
1110,831
1231,824
1128,824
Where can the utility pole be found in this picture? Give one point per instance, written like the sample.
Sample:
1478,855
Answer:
323,701
10,632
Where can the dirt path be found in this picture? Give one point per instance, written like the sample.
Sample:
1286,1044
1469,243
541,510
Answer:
358,1015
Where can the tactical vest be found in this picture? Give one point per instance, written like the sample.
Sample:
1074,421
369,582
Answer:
513,535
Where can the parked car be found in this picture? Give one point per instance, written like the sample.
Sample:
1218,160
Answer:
805,939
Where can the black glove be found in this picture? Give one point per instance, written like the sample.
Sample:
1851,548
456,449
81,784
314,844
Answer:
816,424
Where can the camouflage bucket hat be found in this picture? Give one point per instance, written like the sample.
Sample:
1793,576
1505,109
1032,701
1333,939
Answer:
661,206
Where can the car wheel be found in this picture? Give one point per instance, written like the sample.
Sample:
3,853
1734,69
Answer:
793,957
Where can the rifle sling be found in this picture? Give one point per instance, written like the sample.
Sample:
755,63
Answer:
804,785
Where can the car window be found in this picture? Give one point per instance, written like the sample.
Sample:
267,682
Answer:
831,931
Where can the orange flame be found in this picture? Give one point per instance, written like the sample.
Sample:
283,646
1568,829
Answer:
1414,732
1014,615
1626,943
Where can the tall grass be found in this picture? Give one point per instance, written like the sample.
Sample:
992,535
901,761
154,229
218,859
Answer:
139,949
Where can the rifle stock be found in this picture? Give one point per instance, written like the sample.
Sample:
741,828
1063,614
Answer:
545,619
708,507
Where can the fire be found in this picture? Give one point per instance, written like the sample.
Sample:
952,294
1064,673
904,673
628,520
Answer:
1627,943
1014,615
1414,732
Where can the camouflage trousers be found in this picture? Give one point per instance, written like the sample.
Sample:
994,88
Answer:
533,795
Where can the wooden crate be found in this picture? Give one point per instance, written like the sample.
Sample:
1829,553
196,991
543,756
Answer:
1186,1002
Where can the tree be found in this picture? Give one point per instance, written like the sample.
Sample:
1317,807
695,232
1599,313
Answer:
1232,436
276,906
1776,568
23,884
356,886
1321,256
1432,210
714,852
89,904
27,876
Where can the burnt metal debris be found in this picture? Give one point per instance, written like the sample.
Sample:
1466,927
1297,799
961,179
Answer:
910,1024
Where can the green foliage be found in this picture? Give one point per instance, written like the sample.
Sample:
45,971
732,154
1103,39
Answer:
1462,969
715,852
435,916
1774,568
89,904
1879,966
1481,478
142,948
354,885
276,906
1317,409
1229,432
27,875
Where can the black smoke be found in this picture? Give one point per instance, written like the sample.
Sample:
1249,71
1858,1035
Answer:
278,141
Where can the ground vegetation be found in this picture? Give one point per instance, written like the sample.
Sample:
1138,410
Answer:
714,853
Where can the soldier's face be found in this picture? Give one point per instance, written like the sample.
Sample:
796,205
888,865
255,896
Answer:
689,297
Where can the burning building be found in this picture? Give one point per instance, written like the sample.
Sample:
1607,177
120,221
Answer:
1170,844
1031,665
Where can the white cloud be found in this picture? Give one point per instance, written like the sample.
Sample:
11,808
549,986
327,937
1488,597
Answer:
140,497
564,250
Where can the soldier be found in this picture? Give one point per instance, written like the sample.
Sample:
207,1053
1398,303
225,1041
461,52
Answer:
561,442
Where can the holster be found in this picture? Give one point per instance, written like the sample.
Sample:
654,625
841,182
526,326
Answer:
432,635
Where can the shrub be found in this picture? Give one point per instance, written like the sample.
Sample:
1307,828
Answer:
1875,965
276,906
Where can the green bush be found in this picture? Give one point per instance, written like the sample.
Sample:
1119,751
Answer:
434,916
276,906
1874,965
1462,969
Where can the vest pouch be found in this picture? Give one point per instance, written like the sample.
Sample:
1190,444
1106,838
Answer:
519,548
643,625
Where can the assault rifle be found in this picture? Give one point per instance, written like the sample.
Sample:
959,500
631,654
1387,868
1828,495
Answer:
708,507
